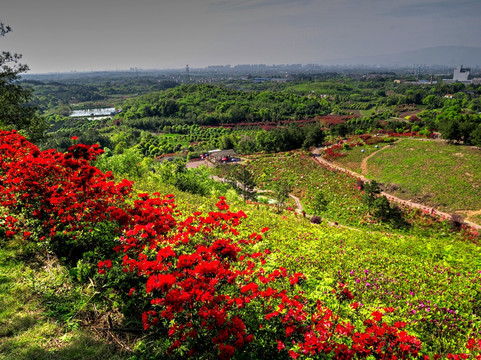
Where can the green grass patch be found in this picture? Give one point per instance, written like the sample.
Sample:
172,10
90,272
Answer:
353,157
438,174
31,324
368,112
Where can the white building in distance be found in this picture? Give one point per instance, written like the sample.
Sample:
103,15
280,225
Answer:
461,75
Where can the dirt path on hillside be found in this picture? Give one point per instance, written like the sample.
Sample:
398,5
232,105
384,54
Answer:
334,167
390,197
364,169
470,213
300,209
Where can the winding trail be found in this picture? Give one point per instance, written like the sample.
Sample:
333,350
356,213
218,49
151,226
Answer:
409,203
300,209
364,169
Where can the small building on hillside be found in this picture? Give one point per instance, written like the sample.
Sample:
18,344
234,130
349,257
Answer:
218,155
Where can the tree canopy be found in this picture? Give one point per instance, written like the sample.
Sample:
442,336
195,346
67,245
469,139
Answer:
15,112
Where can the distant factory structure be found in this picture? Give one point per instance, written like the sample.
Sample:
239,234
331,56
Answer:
461,75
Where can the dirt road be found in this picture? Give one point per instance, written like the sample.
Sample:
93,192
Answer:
390,197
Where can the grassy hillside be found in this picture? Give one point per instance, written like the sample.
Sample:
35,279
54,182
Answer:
427,171
345,205
306,178
423,278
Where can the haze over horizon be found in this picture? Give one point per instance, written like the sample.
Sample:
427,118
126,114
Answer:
69,35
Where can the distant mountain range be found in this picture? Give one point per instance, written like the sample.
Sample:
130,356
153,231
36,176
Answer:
440,55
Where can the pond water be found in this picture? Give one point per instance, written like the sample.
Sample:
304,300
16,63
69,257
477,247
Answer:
92,112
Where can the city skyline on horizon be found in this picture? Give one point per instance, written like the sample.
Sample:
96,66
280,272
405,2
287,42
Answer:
65,36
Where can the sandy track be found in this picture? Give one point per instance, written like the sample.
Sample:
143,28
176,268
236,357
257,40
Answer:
390,197
364,169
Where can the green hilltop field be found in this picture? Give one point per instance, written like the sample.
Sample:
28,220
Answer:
429,172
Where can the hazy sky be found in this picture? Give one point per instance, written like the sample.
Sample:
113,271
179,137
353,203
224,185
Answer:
84,35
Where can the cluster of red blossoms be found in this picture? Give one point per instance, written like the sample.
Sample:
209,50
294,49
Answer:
60,193
333,152
208,288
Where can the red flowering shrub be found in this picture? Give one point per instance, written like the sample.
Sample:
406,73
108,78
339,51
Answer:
8,226
60,195
333,152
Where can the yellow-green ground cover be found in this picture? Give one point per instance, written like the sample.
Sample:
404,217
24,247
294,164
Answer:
353,158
